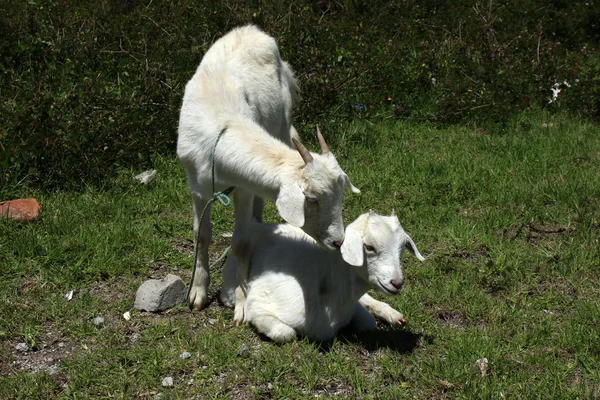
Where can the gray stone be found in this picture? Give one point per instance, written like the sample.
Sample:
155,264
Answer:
243,350
98,321
185,355
22,347
167,382
160,294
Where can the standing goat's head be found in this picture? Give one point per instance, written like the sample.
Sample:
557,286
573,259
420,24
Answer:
375,244
314,202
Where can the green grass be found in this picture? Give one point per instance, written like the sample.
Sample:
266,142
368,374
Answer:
508,221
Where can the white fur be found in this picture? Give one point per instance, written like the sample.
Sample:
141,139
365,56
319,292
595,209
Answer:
297,287
244,88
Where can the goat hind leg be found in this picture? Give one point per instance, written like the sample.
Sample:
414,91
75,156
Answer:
273,328
198,294
240,244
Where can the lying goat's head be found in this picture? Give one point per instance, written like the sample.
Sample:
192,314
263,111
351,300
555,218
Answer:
375,244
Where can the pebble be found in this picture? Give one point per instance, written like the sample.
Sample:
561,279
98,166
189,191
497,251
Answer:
243,350
22,347
185,355
98,321
167,382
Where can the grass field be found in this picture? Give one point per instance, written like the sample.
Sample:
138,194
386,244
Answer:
509,222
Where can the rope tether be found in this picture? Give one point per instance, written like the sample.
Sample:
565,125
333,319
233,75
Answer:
223,198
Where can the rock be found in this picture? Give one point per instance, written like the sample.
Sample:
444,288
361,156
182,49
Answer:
127,316
20,210
185,355
483,365
98,321
167,382
160,294
243,350
146,176
22,347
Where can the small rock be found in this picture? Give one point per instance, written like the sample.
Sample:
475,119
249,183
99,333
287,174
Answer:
270,386
61,345
69,295
483,365
146,176
212,321
185,355
22,347
191,382
20,210
160,294
127,316
167,382
243,350
98,321
52,370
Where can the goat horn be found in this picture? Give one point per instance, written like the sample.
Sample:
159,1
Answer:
324,148
304,153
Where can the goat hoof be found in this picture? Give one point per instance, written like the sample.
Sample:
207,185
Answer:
197,302
401,321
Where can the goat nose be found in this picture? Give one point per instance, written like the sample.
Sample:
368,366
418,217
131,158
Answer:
397,283
337,244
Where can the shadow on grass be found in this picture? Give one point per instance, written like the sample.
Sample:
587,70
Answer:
400,340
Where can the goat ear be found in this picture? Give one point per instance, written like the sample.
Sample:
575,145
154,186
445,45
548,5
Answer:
349,185
290,204
352,247
412,247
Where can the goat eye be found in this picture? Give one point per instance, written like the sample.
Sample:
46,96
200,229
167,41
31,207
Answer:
369,249
312,200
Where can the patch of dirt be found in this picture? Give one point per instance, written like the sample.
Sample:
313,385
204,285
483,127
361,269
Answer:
337,388
183,246
463,254
46,356
109,291
557,284
535,233
453,319
470,213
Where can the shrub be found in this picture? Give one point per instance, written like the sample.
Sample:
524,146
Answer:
89,86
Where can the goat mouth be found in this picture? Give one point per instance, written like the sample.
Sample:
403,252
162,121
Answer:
329,246
386,290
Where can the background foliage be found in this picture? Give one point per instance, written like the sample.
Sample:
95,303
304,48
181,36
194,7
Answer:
90,86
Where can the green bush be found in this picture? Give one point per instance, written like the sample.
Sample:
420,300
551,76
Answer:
89,86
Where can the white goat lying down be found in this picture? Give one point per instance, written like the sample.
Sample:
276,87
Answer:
297,287
244,89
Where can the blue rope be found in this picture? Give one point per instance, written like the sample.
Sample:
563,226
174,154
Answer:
223,198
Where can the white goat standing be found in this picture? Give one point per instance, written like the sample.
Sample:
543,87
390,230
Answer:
296,287
242,87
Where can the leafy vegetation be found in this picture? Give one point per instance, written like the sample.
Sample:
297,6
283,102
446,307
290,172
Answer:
508,222
89,87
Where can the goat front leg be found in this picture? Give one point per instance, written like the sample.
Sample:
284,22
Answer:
382,310
198,294
240,244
